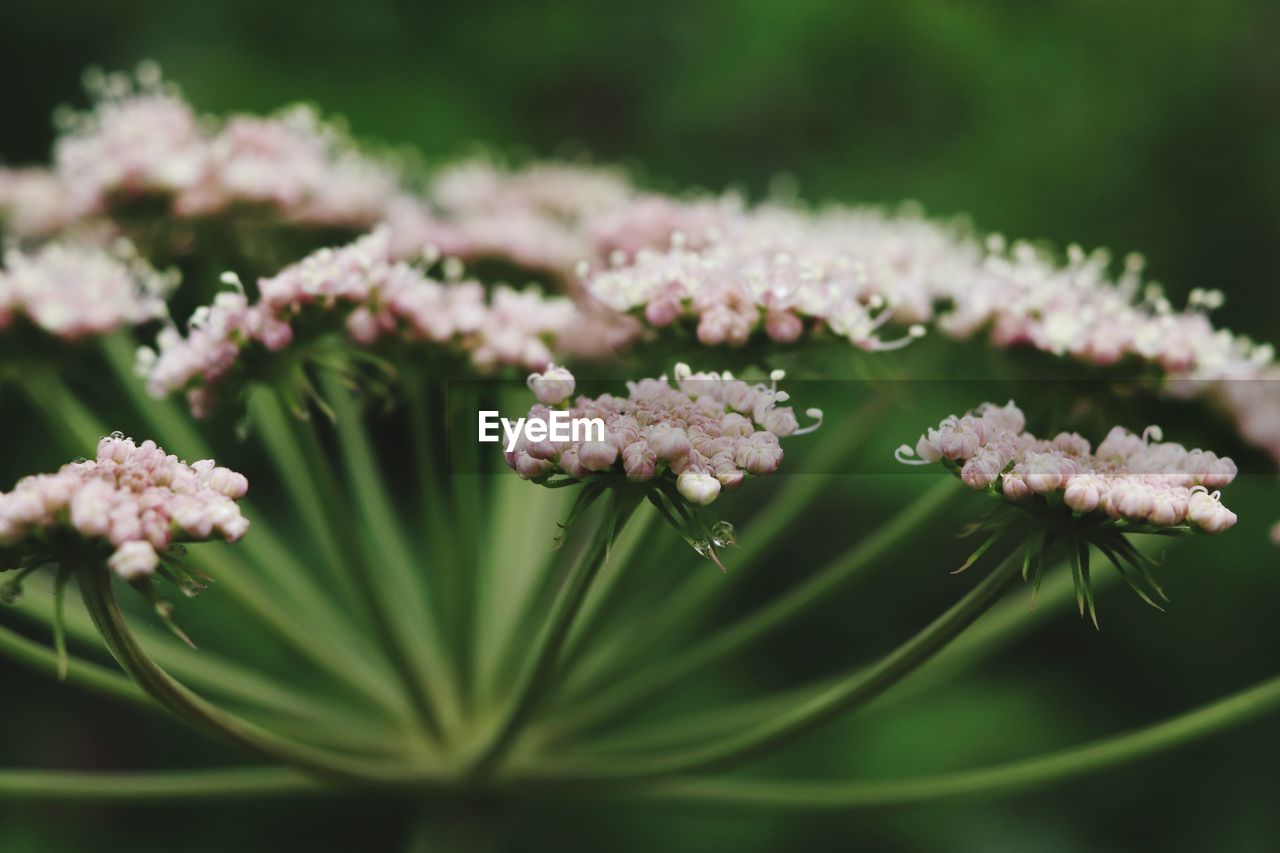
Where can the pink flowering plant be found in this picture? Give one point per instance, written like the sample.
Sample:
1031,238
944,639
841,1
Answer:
421,613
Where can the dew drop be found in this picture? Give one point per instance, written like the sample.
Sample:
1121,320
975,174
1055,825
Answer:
703,547
723,535
117,435
191,588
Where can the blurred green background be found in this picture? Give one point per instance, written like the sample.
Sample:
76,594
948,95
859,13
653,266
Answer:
1149,126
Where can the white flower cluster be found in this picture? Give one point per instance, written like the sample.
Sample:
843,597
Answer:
142,140
133,497
769,269
357,288
74,291
709,431
1138,478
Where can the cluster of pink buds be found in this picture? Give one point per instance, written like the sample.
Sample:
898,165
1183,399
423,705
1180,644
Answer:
142,140
708,431
73,291
360,291
133,497
1134,477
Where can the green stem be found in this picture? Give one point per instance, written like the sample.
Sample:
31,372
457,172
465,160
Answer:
510,578
234,783
1010,778
396,592
80,672
535,679
789,502
633,692
100,600
844,696
209,672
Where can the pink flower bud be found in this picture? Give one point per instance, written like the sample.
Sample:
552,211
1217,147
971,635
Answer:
553,386
1082,493
639,461
597,455
698,487
134,560
783,326
669,443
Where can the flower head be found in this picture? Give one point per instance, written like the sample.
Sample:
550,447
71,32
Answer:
683,442
133,500
1076,498
1130,477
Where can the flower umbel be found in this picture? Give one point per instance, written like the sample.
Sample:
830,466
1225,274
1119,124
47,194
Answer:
684,442
1084,497
130,509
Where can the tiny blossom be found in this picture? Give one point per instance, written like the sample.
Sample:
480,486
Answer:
73,291
553,386
708,430
366,295
134,498
1128,476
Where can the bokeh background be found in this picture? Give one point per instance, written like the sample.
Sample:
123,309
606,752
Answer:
1149,126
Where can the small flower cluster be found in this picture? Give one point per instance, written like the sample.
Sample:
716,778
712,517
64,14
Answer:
360,290
133,497
709,431
1132,477
142,140
770,270
73,291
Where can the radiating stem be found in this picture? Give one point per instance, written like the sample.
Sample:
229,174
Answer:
171,427
791,500
534,680
397,590
632,692
842,697
1014,777
100,600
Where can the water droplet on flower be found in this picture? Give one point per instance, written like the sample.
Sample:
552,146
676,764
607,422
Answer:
703,547
117,435
723,535
11,593
191,588
79,460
